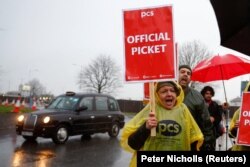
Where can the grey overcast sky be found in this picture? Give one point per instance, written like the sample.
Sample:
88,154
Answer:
51,39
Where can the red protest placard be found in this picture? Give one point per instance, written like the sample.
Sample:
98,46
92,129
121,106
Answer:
243,136
149,44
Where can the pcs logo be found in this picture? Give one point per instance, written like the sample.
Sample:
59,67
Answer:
147,14
169,128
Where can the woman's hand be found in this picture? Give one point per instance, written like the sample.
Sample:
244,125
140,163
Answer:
212,119
152,121
225,106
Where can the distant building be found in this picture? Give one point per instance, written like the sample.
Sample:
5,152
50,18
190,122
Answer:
13,94
236,101
10,96
243,86
25,90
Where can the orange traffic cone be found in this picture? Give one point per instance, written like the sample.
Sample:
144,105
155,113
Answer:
23,105
17,106
6,102
13,102
34,106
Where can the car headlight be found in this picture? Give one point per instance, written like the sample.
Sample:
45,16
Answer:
20,118
46,119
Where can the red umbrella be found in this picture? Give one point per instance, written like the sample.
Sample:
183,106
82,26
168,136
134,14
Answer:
220,68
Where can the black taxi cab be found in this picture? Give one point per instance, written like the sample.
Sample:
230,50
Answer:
72,114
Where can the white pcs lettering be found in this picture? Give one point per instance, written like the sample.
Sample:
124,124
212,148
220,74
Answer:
147,14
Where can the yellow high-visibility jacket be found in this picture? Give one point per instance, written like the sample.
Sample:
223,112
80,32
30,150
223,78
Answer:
176,129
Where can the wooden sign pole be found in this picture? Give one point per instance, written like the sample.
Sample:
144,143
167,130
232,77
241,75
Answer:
152,104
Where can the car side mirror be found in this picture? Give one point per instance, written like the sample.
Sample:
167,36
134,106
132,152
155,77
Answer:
82,108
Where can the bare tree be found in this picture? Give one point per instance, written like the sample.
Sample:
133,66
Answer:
101,76
191,53
36,88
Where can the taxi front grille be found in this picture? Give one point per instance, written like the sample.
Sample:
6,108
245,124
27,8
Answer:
30,122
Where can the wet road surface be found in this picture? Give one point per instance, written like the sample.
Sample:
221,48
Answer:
100,150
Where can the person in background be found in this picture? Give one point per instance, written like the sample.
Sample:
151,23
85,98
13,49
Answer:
197,106
234,125
176,129
215,112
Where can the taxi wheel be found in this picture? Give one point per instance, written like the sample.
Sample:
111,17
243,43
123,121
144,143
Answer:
115,129
61,134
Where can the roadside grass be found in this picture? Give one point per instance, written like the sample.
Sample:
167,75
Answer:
10,108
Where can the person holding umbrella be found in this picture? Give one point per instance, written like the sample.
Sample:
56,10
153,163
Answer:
215,112
234,124
176,129
196,105
221,67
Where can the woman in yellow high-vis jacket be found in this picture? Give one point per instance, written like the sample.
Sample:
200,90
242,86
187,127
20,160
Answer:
176,130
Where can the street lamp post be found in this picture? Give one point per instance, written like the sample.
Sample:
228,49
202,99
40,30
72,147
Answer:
31,71
80,66
30,88
81,70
